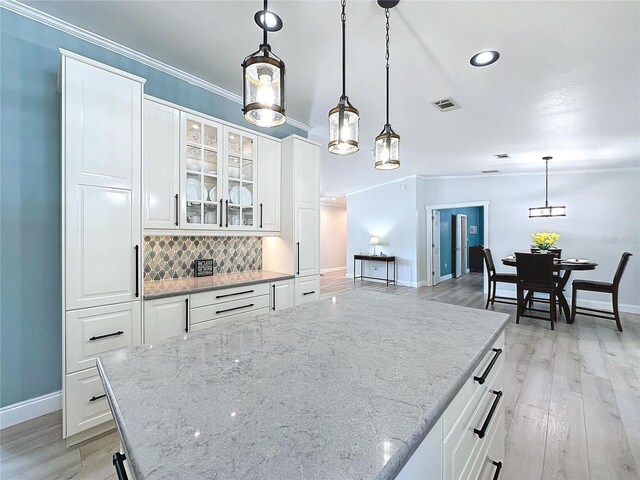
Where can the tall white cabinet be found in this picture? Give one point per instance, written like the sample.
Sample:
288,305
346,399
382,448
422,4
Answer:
297,249
101,228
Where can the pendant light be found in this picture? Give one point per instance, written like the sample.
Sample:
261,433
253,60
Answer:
547,210
387,146
343,119
263,100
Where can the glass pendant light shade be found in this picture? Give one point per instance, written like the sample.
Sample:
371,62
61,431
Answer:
387,149
263,88
343,128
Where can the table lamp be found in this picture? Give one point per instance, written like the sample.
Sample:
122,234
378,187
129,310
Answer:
373,240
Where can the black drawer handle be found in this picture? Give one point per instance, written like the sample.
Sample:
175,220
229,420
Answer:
309,293
118,463
177,208
260,215
114,334
481,379
298,270
94,398
234,308
233,294
482,432
498,468
137,271
186,315
274,297
220,213
226,217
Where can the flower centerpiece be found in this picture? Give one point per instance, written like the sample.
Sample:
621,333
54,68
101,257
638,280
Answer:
544,240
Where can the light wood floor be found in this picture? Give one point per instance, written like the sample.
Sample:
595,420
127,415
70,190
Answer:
572,400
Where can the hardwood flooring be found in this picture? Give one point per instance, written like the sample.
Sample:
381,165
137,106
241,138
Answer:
572,400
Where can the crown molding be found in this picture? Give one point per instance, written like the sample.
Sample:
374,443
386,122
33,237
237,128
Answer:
536,173
66,27
397,180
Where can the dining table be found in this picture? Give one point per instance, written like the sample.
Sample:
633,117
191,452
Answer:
564,267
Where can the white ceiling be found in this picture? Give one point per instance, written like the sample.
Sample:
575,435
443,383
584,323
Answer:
567,83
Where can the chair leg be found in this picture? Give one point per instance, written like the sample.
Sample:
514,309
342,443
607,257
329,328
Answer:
519,301
552,309
616,312
493,297
574,295
488,295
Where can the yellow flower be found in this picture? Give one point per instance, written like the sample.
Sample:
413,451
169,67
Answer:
544,240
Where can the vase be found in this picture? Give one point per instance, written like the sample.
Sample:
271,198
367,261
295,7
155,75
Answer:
544,252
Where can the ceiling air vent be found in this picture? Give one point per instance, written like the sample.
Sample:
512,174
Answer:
502,155
489,171
446,105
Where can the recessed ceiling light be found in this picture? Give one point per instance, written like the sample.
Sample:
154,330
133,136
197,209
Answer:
268,20
502,155
489,171
482,59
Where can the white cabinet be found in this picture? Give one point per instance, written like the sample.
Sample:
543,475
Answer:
240,173
165,318
102,130
307,289
101,229
161,185
269,178
297,249
282,295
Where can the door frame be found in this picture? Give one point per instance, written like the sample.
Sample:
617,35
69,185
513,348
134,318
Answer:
429,233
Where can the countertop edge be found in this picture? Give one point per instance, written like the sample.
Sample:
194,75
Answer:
400,458
155,296
118,420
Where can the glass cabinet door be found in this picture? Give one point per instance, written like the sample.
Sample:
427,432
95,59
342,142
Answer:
240,177
201,173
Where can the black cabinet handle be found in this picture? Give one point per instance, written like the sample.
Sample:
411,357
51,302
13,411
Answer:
498,468
309,293
298,269
226,217
233,294
137,248
481,433
186,315
177,208
234,308
274,297
114,334
487,370
94,398
261,215
220,213
118,463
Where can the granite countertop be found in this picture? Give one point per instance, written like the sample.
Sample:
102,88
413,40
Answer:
185,285
340,388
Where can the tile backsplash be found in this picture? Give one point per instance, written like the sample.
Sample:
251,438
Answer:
169,256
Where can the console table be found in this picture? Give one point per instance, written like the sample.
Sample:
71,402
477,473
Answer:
374,258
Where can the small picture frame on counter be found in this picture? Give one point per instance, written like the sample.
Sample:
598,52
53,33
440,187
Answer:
203,268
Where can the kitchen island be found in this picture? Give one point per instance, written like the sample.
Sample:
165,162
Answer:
346,387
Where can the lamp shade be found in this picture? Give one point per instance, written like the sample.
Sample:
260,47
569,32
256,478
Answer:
373,240
263,92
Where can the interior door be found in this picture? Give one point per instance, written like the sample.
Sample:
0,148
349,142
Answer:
435,248
461,245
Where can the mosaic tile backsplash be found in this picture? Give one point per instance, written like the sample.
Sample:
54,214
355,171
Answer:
173,256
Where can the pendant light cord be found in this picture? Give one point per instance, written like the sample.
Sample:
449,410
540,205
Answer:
264,23
343,19
387,59
546,183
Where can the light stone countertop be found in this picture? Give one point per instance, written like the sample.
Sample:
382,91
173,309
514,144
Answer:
182,286
334,389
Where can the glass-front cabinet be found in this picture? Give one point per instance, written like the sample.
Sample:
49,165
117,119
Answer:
239,179
217,175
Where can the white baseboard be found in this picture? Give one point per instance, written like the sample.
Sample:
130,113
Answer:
446,277
583,302
29,409
382,280
333,269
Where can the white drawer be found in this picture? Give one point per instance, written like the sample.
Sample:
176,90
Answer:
85,403
238,316
471,392
226,294
221,310
307,289
463,444
91,332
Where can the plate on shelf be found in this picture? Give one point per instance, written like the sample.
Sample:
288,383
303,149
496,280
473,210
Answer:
194,189
241,196
577,260
212,194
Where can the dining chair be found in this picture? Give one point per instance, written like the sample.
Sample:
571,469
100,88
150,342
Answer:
494,279
600,287
557,253
535,275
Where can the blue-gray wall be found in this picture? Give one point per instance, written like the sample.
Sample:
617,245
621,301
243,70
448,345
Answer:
30,288
475,216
